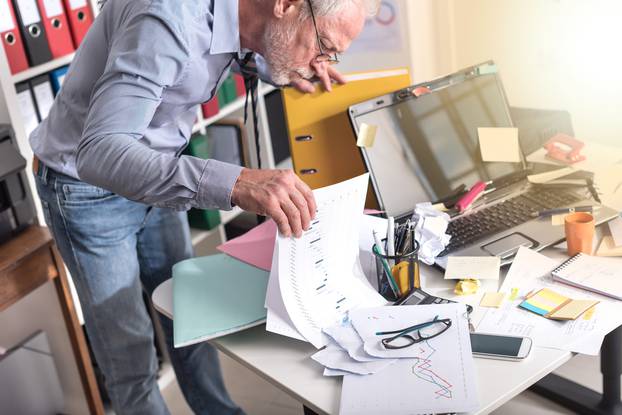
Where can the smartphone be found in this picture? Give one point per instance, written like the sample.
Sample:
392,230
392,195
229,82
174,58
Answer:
493,346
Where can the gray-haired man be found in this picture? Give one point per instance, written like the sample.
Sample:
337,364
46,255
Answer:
114,186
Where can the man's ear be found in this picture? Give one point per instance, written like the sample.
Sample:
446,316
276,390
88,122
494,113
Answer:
283,8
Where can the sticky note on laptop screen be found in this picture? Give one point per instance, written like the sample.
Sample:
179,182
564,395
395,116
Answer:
472,267
499,145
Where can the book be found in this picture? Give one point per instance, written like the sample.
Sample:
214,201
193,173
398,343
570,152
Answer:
596,274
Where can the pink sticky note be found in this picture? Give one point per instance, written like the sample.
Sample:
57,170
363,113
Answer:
255,247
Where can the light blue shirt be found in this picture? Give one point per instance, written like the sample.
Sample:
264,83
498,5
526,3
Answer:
129,101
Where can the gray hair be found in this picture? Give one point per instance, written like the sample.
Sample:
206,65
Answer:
328,8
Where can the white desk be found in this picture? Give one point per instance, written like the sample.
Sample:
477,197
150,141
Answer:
286,364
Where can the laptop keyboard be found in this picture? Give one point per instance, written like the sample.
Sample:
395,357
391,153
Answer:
505,215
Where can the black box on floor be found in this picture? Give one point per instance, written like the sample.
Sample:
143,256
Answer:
17,210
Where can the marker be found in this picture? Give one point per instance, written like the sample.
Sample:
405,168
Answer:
472,195
391,239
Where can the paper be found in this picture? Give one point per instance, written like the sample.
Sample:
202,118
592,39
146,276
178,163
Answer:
319,274
597,274
492,300
558,220
439,378
255,247
367,135
430,228
214,296
6,22
499,145
550,175
369,321
349,340
473,267
29,12
530,271
53,8
334,357
277,320
615,227
607,247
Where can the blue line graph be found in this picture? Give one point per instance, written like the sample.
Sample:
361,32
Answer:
424,370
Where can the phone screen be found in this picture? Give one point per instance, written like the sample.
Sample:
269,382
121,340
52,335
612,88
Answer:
502,345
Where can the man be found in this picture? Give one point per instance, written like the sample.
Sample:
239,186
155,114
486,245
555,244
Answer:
114,187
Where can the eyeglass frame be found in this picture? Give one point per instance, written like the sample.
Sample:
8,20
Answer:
323,56
386,342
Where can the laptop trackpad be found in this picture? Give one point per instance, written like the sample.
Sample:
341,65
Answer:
507,246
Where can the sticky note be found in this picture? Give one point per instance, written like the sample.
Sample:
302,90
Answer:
514,294
492,300
499,145
589,313
572,310
467,287
558,220
472,267
615,227
608,247
367,135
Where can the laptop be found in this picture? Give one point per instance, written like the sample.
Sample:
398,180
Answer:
427,146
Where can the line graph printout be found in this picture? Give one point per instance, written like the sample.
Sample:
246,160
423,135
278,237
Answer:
319,274
433,376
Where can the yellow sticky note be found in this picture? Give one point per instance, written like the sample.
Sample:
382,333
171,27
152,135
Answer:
467,287
499,144
589,314
492,300
367,135
608,247
572,310
558,220
514,294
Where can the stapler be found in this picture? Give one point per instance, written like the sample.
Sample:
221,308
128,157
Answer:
565,149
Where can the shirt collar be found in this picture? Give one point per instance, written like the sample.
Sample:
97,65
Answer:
226,28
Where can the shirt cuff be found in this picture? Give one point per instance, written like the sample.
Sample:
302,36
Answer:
216,184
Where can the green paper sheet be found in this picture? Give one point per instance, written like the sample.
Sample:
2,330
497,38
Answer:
214,296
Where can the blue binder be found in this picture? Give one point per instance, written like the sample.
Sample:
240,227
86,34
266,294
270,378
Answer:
57,77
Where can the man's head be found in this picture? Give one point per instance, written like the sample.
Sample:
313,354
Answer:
290,42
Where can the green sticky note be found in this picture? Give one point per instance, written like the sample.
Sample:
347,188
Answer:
214,296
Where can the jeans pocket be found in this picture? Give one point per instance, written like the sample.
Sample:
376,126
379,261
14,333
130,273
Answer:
78,193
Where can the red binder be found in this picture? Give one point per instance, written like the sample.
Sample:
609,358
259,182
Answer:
80,18
56,27
11,38
210,108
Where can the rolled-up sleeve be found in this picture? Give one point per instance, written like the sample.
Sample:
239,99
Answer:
144,60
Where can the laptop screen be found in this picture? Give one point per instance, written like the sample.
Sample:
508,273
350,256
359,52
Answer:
428,146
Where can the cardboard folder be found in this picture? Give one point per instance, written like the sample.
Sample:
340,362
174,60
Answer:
56,27
322,141
12,38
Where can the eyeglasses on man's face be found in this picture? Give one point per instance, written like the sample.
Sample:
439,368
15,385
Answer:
323,56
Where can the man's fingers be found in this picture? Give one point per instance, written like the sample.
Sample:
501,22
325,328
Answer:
301,203
309,197
293,217
336,75
304,86
280,218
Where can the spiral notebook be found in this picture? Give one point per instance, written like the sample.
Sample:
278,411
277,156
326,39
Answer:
597,274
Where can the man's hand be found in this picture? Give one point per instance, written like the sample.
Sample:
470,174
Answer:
325,73
278,194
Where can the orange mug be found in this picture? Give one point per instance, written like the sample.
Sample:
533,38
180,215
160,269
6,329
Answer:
580,230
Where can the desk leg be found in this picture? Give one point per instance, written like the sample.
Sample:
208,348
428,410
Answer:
584,400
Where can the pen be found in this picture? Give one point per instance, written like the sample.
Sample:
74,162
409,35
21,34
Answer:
561,211
385,265
391,239
467,200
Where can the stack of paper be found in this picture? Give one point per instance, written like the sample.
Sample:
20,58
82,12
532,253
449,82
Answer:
316,279
531,271
433,376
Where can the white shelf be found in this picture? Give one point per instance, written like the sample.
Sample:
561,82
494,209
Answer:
229,109
43,68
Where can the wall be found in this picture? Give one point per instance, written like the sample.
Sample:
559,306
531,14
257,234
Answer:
552,54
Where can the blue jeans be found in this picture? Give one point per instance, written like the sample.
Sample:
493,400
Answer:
114,248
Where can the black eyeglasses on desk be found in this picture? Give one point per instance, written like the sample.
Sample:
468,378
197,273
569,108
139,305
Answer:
403,337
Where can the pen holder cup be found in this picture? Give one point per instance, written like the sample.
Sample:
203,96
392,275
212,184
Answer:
404,273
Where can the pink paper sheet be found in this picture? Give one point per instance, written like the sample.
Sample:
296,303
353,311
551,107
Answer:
255,247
